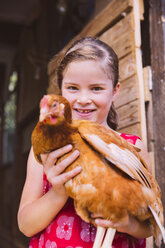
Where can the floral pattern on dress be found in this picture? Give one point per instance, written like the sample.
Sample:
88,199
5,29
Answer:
64,228
50,244
88,232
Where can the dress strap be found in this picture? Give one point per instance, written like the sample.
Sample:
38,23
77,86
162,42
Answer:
129,137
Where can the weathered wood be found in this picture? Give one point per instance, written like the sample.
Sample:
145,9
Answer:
133,129
142,113
128,114
127,88
147,83
120,37
127,67
139,68
157,44
112,12
148,107
136,23
141,4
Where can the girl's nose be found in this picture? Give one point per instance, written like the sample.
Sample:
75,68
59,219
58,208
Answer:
88,101
83,100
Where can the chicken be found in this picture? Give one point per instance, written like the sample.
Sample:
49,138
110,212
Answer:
111,168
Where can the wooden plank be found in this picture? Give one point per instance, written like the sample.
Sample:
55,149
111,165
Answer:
127,67
128,91
139,68
141,4
147,83
128,114
133,129
107,16
148,107
136,23
120,37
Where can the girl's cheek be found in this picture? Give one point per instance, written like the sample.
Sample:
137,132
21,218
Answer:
102,100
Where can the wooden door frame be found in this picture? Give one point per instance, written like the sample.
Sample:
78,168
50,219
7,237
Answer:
157,45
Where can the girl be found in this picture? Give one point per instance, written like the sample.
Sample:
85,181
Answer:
88,78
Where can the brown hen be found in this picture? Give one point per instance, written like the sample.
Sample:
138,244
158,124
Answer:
114,180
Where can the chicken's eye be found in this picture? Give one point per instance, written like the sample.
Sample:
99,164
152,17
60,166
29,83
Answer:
54,104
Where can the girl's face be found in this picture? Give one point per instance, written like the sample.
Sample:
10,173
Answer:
89,90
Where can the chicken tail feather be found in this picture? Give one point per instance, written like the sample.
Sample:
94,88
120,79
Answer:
162,230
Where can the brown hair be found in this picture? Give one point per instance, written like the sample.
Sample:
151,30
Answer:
89,48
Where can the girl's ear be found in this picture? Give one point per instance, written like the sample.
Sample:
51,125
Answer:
116,91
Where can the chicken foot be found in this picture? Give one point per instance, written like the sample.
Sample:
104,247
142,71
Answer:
107,243
99,236
109,235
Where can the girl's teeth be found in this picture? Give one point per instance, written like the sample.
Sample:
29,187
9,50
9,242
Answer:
84,111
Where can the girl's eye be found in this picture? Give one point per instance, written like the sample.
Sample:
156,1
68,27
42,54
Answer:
97,88
73,88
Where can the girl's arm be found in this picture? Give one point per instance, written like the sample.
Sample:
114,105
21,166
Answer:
36,210
132,226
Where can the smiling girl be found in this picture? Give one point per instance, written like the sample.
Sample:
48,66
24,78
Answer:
88,79
90,96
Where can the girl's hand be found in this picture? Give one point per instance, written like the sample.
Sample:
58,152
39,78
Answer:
55,173
129,225
122,226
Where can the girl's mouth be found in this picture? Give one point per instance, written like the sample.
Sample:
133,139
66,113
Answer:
84,113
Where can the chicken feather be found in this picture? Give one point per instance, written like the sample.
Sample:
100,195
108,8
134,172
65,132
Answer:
111,167
122,158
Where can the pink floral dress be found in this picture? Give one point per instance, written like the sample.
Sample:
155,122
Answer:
68,230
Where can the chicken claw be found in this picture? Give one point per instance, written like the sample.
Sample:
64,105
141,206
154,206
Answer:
107,243
99,236
107,240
